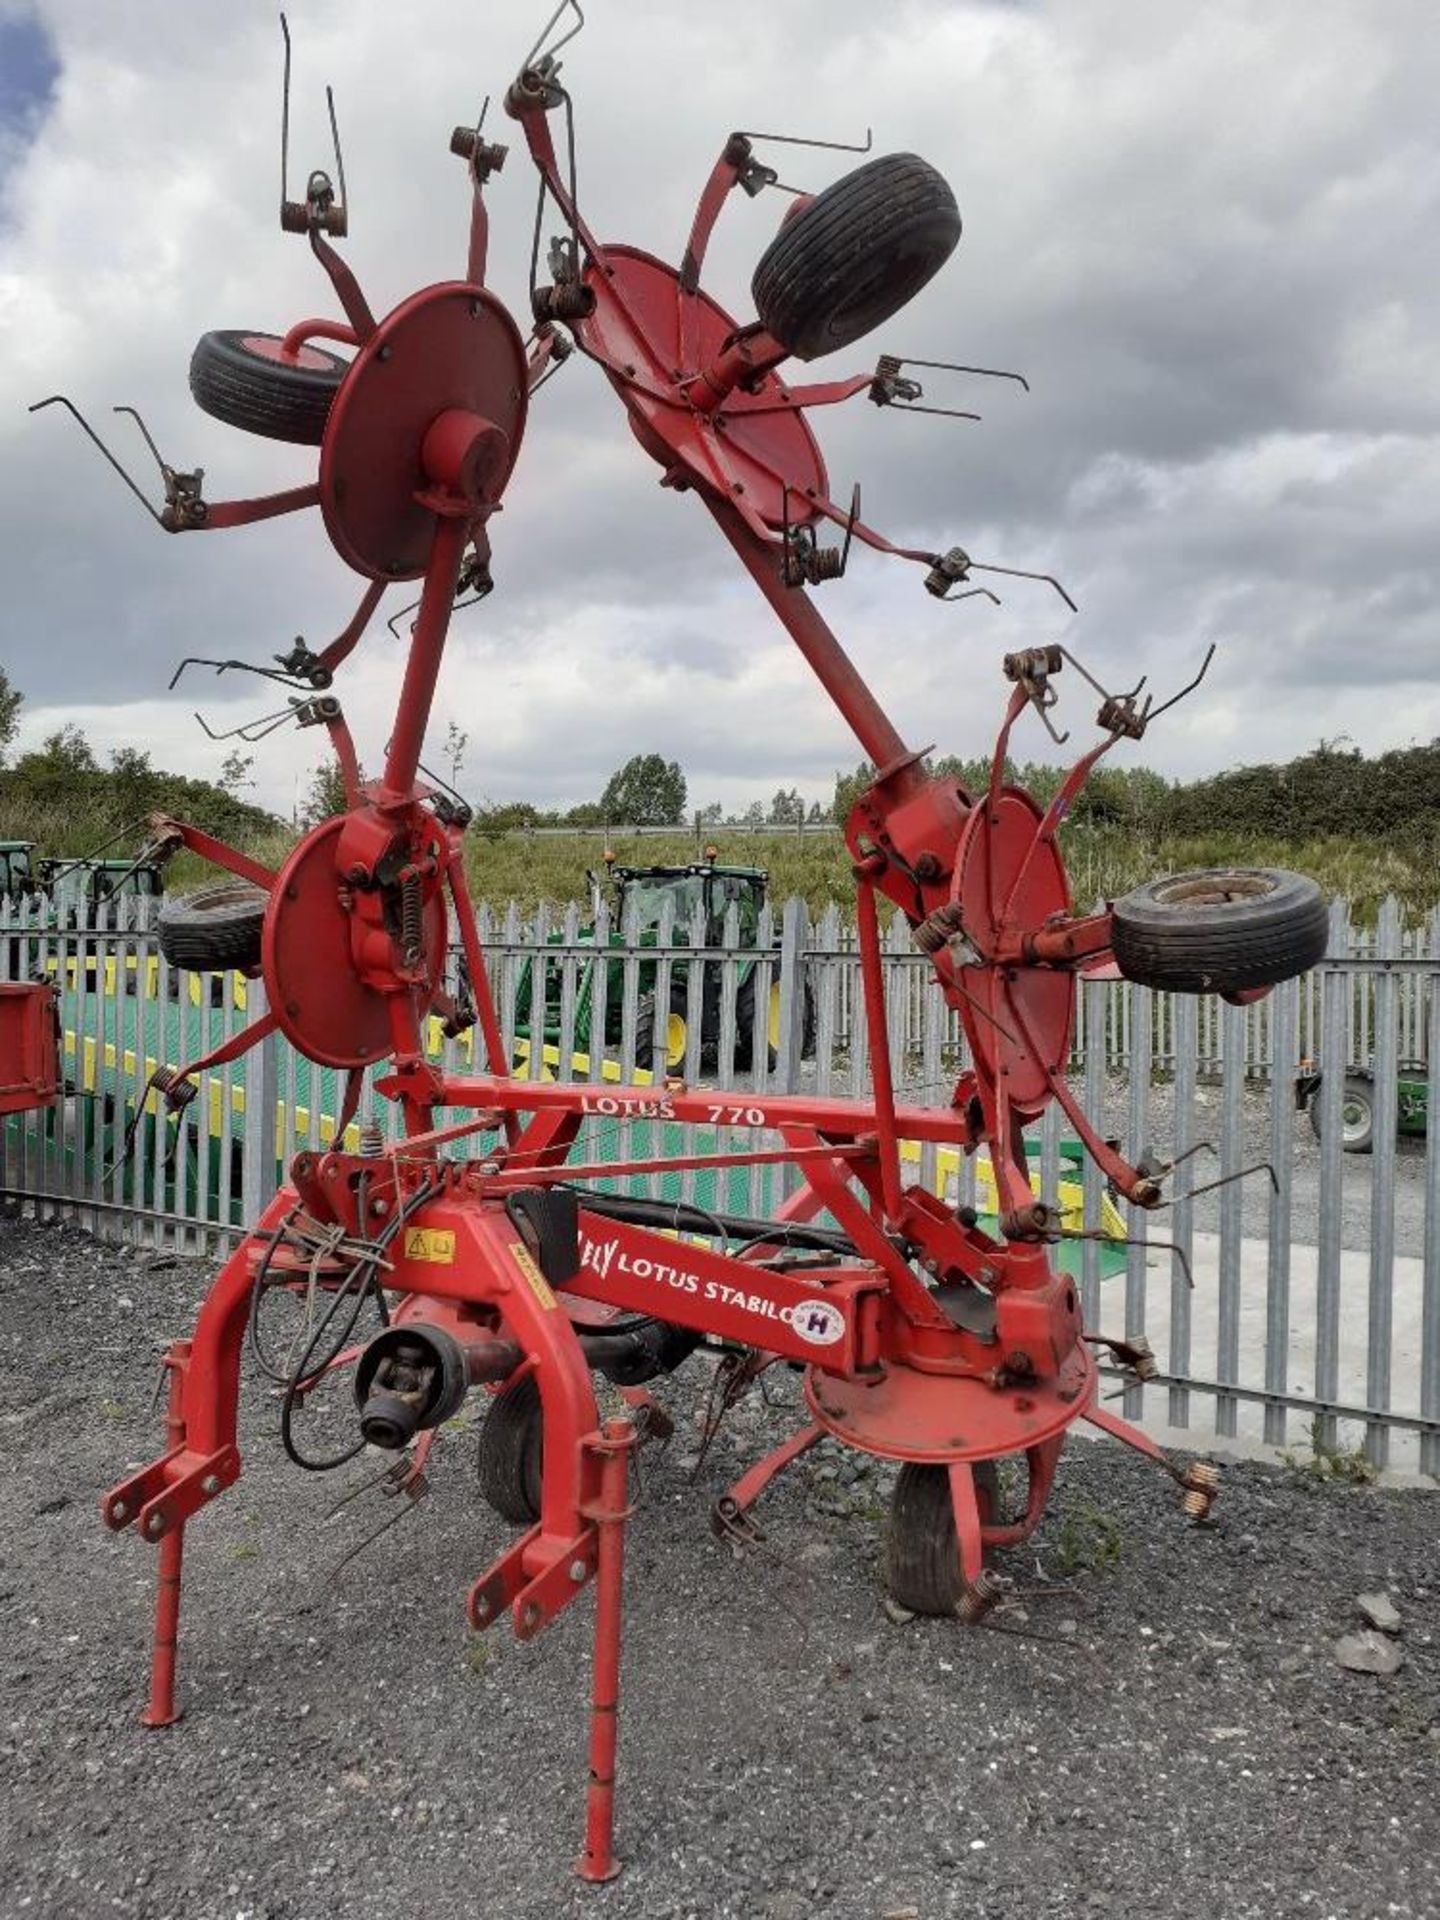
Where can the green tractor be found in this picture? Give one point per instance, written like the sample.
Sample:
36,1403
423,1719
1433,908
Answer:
702,894
1357,1102
84,889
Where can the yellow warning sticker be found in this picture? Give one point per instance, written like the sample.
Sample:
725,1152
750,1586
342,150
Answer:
436,1244
538,1284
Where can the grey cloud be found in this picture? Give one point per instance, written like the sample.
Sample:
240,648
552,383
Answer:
1206,236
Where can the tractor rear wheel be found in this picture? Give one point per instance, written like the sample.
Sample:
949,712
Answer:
855,255
1226,930
239,377
1357,1114
214,930
512,1452
676,1037
922,1552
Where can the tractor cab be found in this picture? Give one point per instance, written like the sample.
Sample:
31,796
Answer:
86,891
702,887
17,869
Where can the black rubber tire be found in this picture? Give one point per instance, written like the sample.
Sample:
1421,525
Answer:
1220,931
243,389
858,253
922,1554
512,1453
215,929
1357,1093
745,1013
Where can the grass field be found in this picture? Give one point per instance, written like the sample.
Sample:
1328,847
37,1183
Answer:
1103,862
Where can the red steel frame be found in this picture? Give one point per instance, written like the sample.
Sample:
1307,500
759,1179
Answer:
353,952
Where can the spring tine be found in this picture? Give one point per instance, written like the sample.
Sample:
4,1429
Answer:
417,1491
61,400
946,413
799,140
166,470
564,40
1175,698
394,621
250,730
850,529
1023,573
1229,1179
339,157
285,117
354,1493
988,373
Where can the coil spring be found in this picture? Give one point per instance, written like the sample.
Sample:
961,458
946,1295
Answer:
372,1139
178,1091
980,1596
808,565
412,922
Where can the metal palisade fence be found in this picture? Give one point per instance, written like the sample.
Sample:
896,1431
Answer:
1297,1302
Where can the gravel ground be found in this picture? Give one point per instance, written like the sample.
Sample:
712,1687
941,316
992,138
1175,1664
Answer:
1163,1733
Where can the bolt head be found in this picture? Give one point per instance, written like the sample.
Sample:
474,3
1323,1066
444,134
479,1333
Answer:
210,1484
578,1570
154,1526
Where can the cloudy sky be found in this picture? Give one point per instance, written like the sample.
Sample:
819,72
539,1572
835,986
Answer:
1208,236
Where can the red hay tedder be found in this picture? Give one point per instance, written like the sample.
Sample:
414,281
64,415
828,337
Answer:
485,1248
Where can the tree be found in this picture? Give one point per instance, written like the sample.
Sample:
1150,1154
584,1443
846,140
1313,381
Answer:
62,772
787,809
235,771
325,795
11,700
456,742
135,783
711,816
849,787
646,792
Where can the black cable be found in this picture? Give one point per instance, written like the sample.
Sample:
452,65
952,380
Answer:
363,1279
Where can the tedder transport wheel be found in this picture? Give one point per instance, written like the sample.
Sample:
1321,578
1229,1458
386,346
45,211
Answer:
510,1453
240,378
856,254
1357,1114
215,929
922,1554
1221,931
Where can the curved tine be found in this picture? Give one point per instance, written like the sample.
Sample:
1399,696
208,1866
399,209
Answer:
1058,738
945,413
545,31
60,400
850,528
970,593
197,660
393,622
799,140
339,156
1086,675
149,439
1155,713
285,116
1023,573
988,373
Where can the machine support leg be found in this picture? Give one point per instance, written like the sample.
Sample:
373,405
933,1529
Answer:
968,1532
598,1861
161,1710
